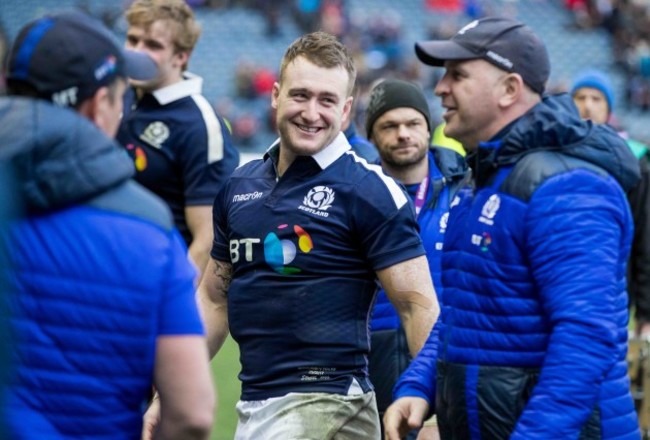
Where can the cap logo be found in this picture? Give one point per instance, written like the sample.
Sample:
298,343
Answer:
467,27
505,62
67,97
108,66
377,99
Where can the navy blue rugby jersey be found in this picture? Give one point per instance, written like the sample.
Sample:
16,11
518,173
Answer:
181,149
304,251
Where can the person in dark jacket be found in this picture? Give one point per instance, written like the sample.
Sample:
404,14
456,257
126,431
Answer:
533,335
593,94
100,293
398,123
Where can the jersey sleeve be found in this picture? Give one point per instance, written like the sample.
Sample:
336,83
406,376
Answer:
385,221
207,158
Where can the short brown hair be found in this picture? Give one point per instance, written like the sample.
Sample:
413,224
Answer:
323,50
177,12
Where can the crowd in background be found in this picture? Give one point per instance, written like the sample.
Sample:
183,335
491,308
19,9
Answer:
628,23
377,42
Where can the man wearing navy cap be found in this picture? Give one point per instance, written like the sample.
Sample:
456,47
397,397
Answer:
533,333
100,295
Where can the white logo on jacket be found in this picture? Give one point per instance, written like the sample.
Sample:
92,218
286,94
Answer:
490,210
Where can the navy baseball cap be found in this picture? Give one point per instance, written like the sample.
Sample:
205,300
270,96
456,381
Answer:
506,43
67,57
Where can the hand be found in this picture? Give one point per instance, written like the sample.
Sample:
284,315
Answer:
151,419
429,433
643,329
404,415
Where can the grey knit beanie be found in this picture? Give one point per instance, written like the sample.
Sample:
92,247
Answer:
395,93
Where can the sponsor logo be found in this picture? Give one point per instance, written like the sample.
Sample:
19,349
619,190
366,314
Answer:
281,247
66,98
139,157
246,197
107,67
483,241
280,252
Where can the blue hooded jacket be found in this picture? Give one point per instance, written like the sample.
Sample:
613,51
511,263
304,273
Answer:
533,331
96,272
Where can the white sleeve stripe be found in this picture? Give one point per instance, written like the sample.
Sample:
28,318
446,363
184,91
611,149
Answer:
395,191
215,137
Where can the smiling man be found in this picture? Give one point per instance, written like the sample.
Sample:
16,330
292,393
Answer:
533,331
300,237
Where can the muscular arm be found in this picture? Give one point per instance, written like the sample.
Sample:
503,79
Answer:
199,221
213,303
184,385
409,288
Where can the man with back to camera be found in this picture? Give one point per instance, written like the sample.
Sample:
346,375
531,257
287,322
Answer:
398,124
181,149
100,291
533,332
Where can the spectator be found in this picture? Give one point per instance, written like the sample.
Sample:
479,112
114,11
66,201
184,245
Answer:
300,237
593,94
181,149
101,297
534,315
399,124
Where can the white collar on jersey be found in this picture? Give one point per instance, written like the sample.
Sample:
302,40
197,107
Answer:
191,85
324,157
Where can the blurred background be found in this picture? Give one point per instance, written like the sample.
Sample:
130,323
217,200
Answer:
243,41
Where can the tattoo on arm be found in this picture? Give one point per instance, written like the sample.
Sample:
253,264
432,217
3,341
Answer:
223,272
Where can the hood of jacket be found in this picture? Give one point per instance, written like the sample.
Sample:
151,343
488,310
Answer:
555,125
60,157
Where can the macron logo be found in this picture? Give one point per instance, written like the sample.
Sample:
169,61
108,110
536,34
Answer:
246,197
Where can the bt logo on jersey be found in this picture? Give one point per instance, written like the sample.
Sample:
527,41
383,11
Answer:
279,248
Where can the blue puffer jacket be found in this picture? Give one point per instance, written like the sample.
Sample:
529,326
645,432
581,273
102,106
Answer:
533,335
97,274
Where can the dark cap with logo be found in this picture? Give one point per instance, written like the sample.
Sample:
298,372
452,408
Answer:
67,57
506,43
